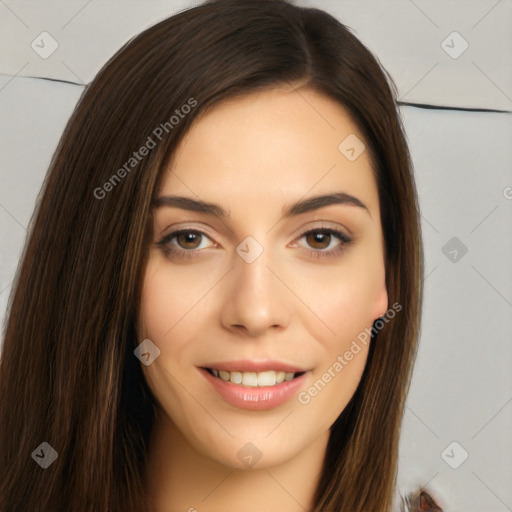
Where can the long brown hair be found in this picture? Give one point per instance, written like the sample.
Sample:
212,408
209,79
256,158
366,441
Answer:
68,375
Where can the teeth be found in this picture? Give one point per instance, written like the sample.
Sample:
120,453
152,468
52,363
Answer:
250,379
253,379
236,377
267,378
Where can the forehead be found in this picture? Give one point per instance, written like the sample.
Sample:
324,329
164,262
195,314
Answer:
270,145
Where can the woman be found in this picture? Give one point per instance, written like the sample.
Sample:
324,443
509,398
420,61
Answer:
219,301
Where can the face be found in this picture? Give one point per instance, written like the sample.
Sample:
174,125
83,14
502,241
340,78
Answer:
265,267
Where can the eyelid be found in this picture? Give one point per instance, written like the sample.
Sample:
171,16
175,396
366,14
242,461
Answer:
319,225
335,226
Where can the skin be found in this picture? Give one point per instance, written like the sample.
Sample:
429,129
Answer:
254,156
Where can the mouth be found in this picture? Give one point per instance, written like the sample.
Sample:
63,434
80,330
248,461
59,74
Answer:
266,378
255,385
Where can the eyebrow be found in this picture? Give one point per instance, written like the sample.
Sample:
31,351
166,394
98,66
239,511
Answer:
302,206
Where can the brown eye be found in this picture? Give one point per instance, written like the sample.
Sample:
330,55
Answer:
318,239
185,244
188,239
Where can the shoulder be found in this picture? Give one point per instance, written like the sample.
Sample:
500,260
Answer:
419,501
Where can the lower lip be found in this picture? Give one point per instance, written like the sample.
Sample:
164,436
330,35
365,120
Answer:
255,398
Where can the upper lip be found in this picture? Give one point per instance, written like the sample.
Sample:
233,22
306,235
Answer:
255,366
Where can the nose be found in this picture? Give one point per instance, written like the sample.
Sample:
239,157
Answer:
255,301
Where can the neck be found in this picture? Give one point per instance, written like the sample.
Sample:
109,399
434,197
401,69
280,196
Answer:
182,480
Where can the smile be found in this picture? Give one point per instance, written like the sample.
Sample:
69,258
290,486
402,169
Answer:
257,388
254,379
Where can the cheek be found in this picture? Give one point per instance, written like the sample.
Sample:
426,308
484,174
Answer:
342,298
169,299
164,318
339,379
334,381
167,318
346,302
160,309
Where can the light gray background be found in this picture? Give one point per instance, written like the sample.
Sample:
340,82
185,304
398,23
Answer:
462,384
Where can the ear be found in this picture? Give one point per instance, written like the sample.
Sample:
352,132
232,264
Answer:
381,301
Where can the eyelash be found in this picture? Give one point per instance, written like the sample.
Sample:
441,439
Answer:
171,252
